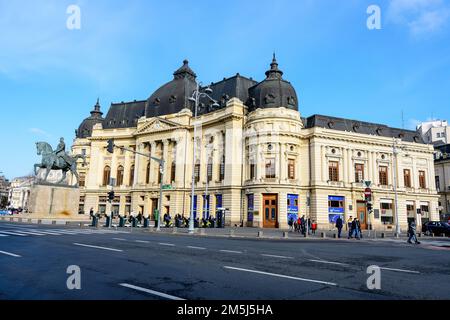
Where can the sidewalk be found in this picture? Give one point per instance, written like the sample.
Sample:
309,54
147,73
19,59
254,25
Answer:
43,220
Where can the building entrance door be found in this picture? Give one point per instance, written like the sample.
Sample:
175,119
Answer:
270,211
154,207
362,214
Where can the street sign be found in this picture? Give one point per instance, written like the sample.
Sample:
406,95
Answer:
167,187
368,192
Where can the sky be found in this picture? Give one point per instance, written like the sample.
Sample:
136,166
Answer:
52,75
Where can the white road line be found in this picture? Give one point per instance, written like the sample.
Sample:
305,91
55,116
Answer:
141,241
97,247
196,248
119,239
282,276
48,233
274,256
230,251
30,233
10,254
14,234
400,270
329,262
156,293
3,235
166,244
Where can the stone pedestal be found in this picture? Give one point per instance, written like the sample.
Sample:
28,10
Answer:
54,201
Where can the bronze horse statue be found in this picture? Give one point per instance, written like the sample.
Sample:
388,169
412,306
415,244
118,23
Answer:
51,161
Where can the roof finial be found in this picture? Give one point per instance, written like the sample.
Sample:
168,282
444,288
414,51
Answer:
274,72
96,112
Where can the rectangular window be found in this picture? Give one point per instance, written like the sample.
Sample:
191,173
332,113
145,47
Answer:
270,168
197,172
82,181
252,171
173,171
422,181
359,172
222,169
291,169
383,176
407,178
438,183
386,213
333,171
209,172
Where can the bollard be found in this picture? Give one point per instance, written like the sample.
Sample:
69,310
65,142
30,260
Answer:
175,230
285,235
419,235
432,235
53,222
260,234
29,220
39,221
383,235
334,235
108,220
146,222
121,222
323,235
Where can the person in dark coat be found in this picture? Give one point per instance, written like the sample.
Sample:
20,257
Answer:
412,232
349,227
339,225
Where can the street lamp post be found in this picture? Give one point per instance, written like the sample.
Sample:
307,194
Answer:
395,167
196,99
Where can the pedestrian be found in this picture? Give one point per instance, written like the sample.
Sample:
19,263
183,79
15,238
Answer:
339,225
349,227
354,229
291,223
314,227
358,228
412,232
299,224
91,212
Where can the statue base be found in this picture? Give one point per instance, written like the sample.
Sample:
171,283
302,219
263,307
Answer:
54,201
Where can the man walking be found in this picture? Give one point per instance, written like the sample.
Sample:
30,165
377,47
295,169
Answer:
349,227
412,232
339,225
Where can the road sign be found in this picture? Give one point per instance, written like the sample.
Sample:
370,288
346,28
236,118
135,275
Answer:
368,192
167,187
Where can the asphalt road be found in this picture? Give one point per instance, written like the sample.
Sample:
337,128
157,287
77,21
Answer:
117,265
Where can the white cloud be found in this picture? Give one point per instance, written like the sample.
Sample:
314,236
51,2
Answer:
40,132
421,17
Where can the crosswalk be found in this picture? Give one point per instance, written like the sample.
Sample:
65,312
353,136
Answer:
37,232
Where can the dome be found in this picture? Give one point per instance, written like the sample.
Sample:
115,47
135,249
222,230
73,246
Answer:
273,92
85,128
174,95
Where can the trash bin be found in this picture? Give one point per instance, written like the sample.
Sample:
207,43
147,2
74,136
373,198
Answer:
220,219
134,222
108,222
146,222
121,222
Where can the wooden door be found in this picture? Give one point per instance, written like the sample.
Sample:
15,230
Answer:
362,214
270,211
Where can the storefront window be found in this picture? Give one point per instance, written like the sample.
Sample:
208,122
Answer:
336,208
250,207
387,216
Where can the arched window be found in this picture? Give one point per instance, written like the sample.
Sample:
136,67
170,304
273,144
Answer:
173,171
222,168
132,175
119,180
147,174
197,171
106,175
209,170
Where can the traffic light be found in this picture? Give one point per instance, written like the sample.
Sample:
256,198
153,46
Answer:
111,195
110,147
369,207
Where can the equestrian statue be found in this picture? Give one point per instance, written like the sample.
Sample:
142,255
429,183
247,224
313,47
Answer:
57,160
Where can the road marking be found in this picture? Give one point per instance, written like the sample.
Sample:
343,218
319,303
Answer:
142,241
48,233
156,293
197,248
231,251
10,254
274,256
400,270
166,244
97,247
3,235
119,239
329,262
30,233
282,276
14,234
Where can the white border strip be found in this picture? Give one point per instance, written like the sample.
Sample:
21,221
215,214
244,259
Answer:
97,247
274,256
11,254
399,270
329,262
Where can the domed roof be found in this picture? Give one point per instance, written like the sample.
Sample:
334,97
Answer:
85,128
174,95
273,92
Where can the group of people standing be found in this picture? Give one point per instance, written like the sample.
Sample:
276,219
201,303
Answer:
299,224
353,227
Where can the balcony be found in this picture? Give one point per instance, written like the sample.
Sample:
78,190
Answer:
338,184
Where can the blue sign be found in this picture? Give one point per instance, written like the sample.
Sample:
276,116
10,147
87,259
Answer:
292,206
336,210
195,207
250,203
333,217
218,201
338,206
335,198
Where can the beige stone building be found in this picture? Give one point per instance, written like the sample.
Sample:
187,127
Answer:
442,176
256,156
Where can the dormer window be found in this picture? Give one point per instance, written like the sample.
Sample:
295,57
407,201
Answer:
172,99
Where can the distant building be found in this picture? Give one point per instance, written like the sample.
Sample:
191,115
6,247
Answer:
4,191
19,192
442,176
435,132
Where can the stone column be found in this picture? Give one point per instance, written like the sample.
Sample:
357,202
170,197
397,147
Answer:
168,161
153,165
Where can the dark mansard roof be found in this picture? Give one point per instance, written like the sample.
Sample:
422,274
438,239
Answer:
124,115
356,126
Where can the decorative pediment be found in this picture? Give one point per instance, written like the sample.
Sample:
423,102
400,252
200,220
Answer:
157,125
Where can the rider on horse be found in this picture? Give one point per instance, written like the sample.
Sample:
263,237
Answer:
61,152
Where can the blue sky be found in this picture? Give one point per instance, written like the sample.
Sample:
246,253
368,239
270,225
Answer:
50,76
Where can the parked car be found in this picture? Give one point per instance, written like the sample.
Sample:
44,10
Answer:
436,227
